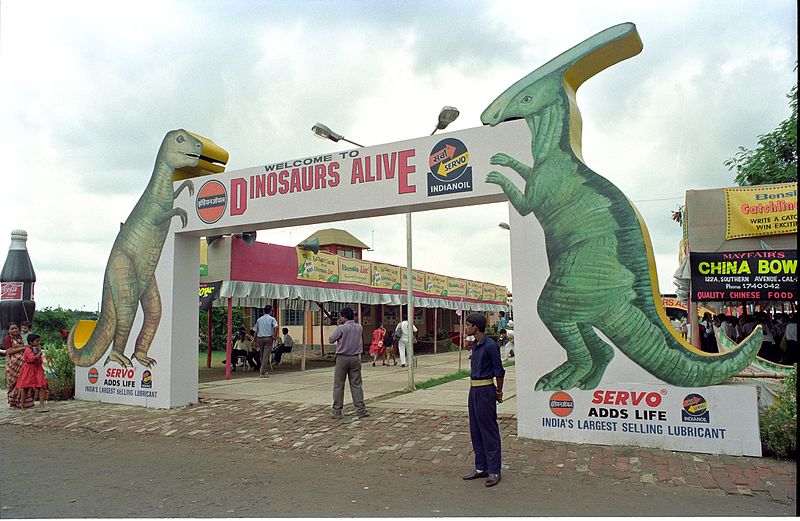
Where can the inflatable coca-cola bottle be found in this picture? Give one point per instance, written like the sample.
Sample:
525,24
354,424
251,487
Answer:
16,282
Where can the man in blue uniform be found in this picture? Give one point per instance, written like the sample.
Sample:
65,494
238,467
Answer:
484,394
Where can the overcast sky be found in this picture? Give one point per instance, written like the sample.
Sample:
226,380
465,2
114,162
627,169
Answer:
88,90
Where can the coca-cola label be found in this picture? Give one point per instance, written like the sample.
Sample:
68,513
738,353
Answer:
10,290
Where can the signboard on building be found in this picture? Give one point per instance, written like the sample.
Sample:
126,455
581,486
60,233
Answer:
744,275
755,211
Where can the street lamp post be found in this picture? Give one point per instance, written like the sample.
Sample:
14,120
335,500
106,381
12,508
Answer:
447,115
507,227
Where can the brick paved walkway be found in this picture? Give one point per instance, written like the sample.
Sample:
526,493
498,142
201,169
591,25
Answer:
405,438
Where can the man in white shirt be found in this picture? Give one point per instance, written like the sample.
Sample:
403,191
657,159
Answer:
401,334
266,327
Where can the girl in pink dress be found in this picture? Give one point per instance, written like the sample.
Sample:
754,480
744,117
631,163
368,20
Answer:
377,348
31,377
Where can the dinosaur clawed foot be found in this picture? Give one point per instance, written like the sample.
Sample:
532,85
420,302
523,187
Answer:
501,159
144,359
591,380
565,376
496,178
121,359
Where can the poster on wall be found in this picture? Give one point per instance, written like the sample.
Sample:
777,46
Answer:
418,278
474,290
756,211
354,271
385,276
436,284
319,267
456,287
744,275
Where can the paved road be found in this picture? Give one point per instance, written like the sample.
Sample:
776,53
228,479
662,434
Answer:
143,448
222,456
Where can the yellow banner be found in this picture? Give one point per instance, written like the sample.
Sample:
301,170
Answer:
385,276
322,267
354,271
755,211
474,290
418,278
436,284
487,291
456,287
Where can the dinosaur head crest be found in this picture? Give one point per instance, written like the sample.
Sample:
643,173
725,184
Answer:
569,70
180,149
524,101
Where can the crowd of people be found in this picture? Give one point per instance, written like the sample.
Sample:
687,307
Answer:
780,333
261,346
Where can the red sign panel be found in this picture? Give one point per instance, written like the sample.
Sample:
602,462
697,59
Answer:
10,290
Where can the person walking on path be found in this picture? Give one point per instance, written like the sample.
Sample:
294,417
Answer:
503,322
349,346
377,347
484,394
31,378
390,345
401,333
266,328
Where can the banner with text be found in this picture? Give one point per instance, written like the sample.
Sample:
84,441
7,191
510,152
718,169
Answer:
385,276
436,284
417,276
320,267
456,287
747,275
354,271
755,211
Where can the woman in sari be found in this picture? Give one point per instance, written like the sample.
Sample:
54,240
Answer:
377,348
12,345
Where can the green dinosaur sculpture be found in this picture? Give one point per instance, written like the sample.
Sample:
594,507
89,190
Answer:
602,272
130,273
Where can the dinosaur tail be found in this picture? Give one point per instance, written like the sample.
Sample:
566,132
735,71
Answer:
85,353
657,350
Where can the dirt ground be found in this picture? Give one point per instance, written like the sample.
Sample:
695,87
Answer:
74,474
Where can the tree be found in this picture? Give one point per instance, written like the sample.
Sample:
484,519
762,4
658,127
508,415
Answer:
219,327
774,160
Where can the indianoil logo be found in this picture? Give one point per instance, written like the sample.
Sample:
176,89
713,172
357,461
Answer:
212,200
561,404
93,375
449,168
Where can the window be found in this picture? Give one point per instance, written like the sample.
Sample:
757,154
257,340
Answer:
292,317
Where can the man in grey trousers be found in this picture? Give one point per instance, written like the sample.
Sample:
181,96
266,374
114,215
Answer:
349,345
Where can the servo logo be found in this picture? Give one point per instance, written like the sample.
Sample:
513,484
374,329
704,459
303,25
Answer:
93,375
147,380
561,404
695,409
212,200
449,168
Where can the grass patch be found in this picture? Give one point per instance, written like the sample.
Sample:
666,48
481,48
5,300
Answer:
433,382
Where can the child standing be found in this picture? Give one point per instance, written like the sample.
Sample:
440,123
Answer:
32,375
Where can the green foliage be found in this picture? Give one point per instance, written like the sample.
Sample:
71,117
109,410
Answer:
774,160
48,322
778,425
60,371
219,327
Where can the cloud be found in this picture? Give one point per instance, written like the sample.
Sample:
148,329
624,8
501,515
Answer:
88,89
